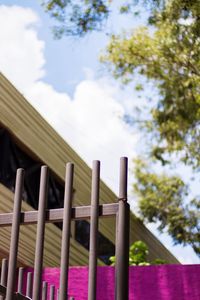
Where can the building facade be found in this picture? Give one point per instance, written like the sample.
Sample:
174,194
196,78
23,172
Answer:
28,141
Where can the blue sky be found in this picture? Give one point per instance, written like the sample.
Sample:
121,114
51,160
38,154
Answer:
67,58
65,82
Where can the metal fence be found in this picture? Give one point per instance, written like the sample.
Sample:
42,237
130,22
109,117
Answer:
35,288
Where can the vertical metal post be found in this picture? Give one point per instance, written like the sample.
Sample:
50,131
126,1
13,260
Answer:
44,290
15,234
20,280
116,249
4,273
66,232
92,278
58,292
52,292
29,284
122,247
37,279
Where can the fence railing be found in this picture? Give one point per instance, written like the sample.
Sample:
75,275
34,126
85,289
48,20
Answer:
35,288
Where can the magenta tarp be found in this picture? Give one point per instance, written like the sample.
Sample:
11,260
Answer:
165,282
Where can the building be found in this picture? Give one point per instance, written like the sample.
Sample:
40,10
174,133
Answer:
28,141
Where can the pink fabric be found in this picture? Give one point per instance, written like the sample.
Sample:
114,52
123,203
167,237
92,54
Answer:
165,282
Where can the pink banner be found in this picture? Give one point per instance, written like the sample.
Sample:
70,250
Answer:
165,282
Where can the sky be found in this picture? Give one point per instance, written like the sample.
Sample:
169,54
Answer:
64,80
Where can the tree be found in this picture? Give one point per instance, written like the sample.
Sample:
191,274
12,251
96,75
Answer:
161,199
167,54
77,18
138,256
170,58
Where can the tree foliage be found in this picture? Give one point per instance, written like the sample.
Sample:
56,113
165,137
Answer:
76,17
79,17
167,54
138,256
171,58
161,198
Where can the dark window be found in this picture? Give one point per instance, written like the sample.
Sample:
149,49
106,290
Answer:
11,158
105,247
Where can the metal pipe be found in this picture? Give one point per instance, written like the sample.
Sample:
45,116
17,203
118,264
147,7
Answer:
52,292
58,294
20,280
37,278
15,234
29,284
4,274
44,290
56,214
116,248
122,247
66,232
92,276
4,271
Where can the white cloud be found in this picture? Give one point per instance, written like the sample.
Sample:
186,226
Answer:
21,52
91,122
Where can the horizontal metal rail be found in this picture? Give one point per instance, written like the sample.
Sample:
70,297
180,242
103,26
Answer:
56,215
